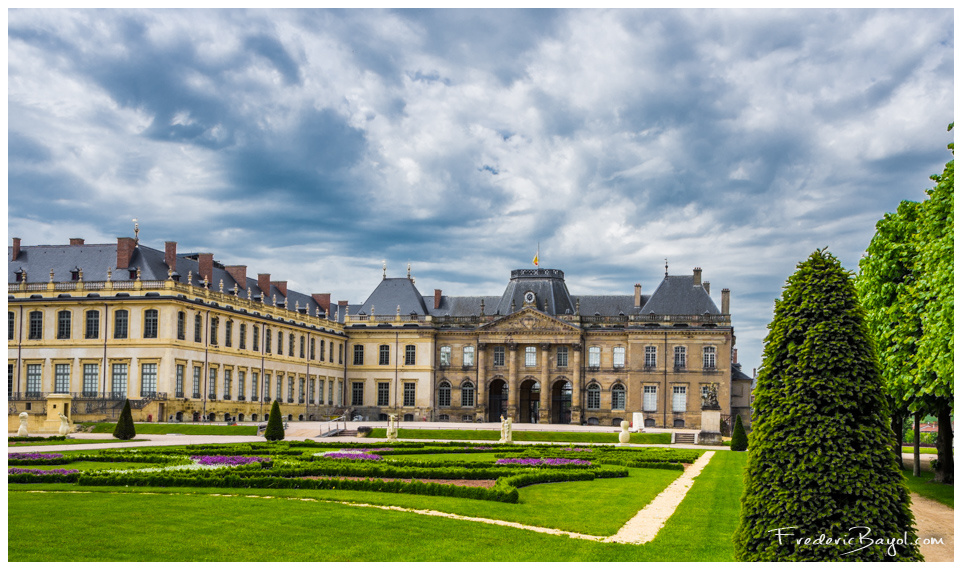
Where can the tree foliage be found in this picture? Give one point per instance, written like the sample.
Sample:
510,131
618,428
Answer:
739,439
820,462
275,427
125,425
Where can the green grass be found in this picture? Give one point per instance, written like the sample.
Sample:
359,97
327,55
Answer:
924,486
70,442
922,450
186,429
495,435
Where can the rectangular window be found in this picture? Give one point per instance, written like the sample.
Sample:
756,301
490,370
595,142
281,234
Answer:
310,391
680,354
618,357
499,356
214,322
151,318
91,379
384,355
383,394
704,393
445,356
241,385
530,356
228,333
33,381
467,395
651,356
61,378
410,353
148,380
444,395
290,389
181,325
618,398
357,393
323,342
330,390
267,340
63,325
118,380
212,384
36,325
120,323
358,354
255,340
468,358
313,348
242,341
303,340
340,353
196,386
650,403
198,328
709,358
561,361
267,387
179,382
92,328
409,394
594,356
320,392
679,401
227,384
11,321
290,344
594,397
280,388
255,378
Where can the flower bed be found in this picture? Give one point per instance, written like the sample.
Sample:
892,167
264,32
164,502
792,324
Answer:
17,458
19,471
226,460
18,475
542,461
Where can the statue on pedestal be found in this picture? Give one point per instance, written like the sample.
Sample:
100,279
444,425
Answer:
64,425
392,427
505,430
22,432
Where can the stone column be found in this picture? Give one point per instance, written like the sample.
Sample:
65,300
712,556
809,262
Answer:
543,412
479,394
513,381
576,385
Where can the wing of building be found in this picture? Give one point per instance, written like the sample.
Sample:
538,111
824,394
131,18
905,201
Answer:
187,338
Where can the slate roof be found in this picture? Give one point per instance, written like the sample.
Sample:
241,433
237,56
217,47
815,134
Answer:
678,295
96,259
737,373
391,293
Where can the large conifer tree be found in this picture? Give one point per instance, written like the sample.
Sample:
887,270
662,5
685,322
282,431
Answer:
821,460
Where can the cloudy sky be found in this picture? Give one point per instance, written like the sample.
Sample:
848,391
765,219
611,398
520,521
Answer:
312,145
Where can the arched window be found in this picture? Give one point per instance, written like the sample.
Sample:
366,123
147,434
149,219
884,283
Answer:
618,397
467,395
594,397
444,395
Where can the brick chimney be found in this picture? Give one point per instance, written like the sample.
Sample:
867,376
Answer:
239,274
170,255
707,286
734,356
323,301
281,286
637,295
125,250
16,249
697,277
726,301
264,284
437,298
205,267
76,241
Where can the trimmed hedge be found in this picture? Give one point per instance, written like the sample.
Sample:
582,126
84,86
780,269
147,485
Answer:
46,478
18,439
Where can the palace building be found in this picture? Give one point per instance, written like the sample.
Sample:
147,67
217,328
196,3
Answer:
184,337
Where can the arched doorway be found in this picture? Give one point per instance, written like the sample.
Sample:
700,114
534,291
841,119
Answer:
529,401
497,400
561,402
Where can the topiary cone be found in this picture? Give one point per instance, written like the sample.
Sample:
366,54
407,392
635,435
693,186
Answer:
125,425
739,439
275,427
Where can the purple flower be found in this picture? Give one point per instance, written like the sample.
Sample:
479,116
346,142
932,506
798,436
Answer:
34,456
18,471
228,460
538,461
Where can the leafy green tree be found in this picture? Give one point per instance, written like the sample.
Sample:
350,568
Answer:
275,427
125,425
820,462
739,439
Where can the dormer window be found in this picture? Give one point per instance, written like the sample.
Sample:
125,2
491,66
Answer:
19,273
133,273
75,275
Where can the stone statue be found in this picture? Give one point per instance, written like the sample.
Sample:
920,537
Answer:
624,436
710,400
505,430
392,427
64,425
22,432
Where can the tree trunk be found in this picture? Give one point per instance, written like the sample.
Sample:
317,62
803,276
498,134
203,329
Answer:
944,472
898,420
916,460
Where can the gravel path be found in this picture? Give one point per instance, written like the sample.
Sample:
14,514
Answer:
934,520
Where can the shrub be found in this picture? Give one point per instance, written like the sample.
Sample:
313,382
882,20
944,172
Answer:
821,463
739,439
363,431
125,425
275,427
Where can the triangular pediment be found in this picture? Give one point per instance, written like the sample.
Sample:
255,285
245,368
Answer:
529,320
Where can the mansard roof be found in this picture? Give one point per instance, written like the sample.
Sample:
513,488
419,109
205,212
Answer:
391,293
679,295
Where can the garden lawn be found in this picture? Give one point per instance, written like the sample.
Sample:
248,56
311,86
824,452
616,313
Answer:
71,442
494,435
924,486
186,429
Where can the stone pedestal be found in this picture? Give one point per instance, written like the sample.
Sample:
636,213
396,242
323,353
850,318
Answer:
638,421
57,404
710,427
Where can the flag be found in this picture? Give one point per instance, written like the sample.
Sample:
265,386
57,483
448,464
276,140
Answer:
535,260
